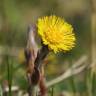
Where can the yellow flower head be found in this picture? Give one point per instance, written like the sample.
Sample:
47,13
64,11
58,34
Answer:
56,33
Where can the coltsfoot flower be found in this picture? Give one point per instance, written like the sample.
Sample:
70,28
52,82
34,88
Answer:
56,33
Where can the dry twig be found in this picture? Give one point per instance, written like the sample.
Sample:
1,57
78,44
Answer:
75,69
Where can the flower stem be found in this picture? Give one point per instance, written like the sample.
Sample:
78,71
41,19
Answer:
9,65
41,56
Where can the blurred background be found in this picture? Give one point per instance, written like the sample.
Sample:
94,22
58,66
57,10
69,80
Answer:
16,15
